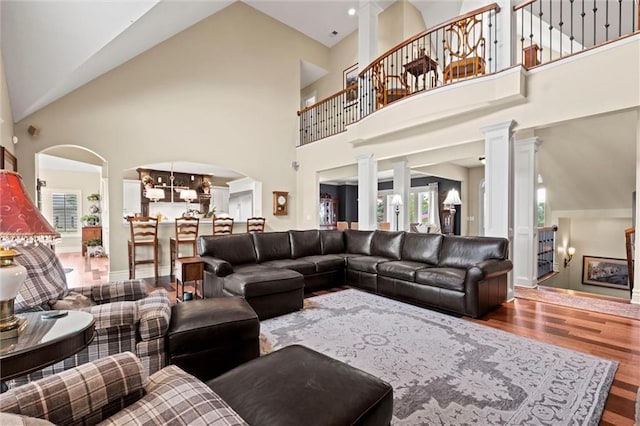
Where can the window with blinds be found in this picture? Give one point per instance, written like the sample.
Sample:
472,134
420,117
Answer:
65,212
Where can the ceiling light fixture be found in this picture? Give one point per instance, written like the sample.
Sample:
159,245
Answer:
351,11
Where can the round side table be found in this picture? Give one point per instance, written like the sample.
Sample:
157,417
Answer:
44,342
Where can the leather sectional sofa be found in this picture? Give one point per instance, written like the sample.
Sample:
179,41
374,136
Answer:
463,275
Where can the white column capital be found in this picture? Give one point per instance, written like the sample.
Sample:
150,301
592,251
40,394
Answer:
535,141
498,127
364,157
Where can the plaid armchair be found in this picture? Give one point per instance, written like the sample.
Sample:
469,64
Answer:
113,391
126,318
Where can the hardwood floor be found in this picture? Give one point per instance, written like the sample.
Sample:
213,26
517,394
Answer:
607,336
603,335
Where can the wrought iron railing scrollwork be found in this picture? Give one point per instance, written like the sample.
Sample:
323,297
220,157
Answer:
330,116
550,30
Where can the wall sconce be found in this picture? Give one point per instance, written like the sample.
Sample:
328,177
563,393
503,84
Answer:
570,252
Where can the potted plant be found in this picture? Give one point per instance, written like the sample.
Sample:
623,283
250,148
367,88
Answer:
93,242
93,197
91,219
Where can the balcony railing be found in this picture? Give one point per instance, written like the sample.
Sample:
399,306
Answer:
460,48
550,30
467,47
546,250
329,116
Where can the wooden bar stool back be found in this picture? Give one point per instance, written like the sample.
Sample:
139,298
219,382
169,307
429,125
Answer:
222,225
255,224
144,236
186,235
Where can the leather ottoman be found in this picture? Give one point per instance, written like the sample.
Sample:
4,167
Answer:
208,337
270,292
298,386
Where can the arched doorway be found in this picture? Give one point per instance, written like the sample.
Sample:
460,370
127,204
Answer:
72,193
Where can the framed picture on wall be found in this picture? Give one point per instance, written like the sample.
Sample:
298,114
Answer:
605,272
351,78
7,160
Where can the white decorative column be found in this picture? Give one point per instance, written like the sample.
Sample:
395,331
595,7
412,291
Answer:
635,297
367,191
506,23
525,236
497,173
367,47
401,186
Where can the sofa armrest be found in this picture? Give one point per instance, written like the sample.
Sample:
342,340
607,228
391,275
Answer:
116,291
219,267
82,395
154,314
492,267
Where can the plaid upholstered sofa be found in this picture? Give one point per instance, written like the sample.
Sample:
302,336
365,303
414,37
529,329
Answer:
113,391
126,318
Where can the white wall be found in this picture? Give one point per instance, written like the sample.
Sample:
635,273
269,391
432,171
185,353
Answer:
205,95
6,117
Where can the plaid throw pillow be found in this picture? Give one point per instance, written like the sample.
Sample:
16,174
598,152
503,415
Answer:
177,398
45,278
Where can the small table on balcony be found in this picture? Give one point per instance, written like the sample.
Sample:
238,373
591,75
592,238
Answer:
421,67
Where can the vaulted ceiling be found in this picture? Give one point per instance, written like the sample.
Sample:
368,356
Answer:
50,48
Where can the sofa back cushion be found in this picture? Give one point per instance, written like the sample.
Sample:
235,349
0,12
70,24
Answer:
235,249
387,244
462,252
46,280
305,243
332,241
272,246
424,248
82,395
358,242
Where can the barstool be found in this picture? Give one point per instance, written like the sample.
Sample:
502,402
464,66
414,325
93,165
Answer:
186,233
144,233
222,225
255,224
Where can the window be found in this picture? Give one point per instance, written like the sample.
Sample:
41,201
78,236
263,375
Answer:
540,210
65,212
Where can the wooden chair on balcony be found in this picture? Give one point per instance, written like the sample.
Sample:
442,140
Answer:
388,87
464,45
222,225
255,224
144,236
186,234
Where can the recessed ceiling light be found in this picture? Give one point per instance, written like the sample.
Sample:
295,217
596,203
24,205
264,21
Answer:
352,11
333,33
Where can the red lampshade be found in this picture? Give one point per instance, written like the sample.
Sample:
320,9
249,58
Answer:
20,219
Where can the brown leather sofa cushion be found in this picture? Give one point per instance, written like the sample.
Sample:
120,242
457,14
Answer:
326,262
262,281
463,252
400,269
423,248
305,243
358,242
235,249
365,263
299,265
332,242
272,246
387,244
448,278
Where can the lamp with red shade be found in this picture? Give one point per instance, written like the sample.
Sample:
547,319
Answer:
21,223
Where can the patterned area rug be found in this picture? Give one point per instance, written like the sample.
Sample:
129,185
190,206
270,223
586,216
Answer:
627,310
445,370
